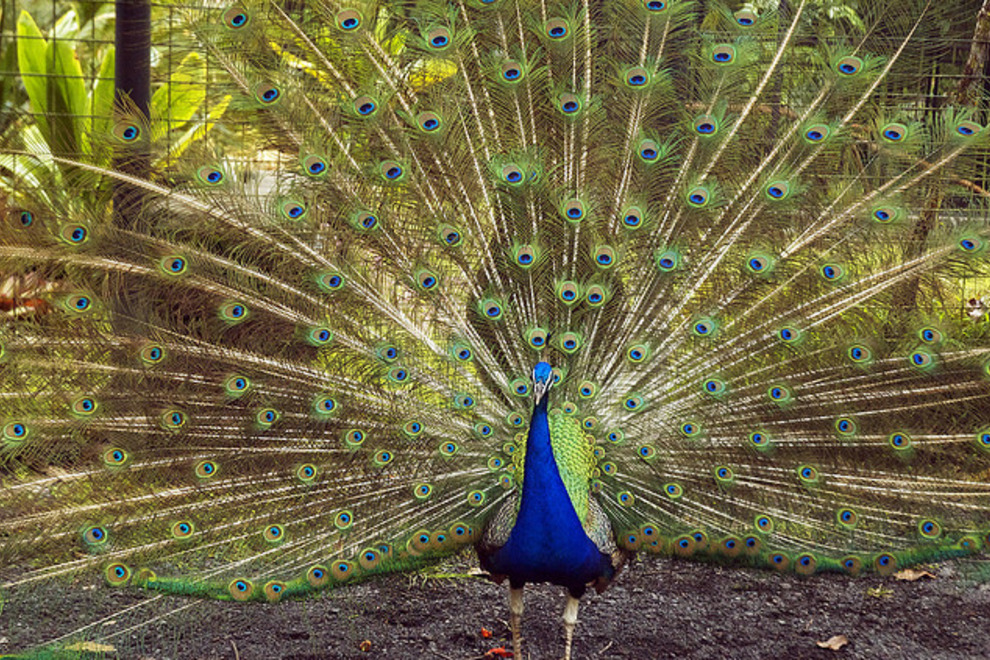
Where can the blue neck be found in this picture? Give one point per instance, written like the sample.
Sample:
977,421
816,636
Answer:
544,495
548,542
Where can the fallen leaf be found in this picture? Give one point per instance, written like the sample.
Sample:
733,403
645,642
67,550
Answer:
880,591
486,633
90,647
365,645
910,574
835,642
500,652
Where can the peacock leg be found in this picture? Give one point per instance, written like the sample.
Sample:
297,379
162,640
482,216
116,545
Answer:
515,619
570,620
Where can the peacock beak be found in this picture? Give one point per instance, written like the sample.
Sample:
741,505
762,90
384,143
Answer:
540,390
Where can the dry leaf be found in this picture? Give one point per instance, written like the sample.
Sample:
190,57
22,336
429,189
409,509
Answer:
90,647
835,642
911,574
880,591
365,645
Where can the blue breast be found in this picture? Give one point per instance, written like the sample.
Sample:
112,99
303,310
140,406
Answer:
548,542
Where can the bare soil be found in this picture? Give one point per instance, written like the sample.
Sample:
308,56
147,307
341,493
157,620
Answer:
656,609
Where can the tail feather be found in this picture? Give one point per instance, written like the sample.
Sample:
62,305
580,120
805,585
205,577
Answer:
306,360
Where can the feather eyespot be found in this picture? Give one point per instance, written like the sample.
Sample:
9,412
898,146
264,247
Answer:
637,77
210,176
491,309
396,374
267,94
849,66
556,29
778,190
832,272
968,129
314,166
847,518
637,353
723,54
79,303
723,474
569,104
429,122
266,417
845,426
632,217
117,574
512,71
667,261
817,133
438,38
900,442
365,106
884,215
929,529
292,210
595,295
759,264
885,564
698,197
512,174
633,402
348,20
95,536
573,210
604,256
233,312
240,589
115,457
759,440
126,132
971,244
714,386
894,132
84,406
318,575
851,565
706,125
306,473
649,151
745,18
391,171
235,18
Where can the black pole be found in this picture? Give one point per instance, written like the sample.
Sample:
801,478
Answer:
132,90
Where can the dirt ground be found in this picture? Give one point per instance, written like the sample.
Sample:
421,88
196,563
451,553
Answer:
656,609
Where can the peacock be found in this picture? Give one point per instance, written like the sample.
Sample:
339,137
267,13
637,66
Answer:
566,281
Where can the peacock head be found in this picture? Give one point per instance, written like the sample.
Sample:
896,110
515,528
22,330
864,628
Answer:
542,380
